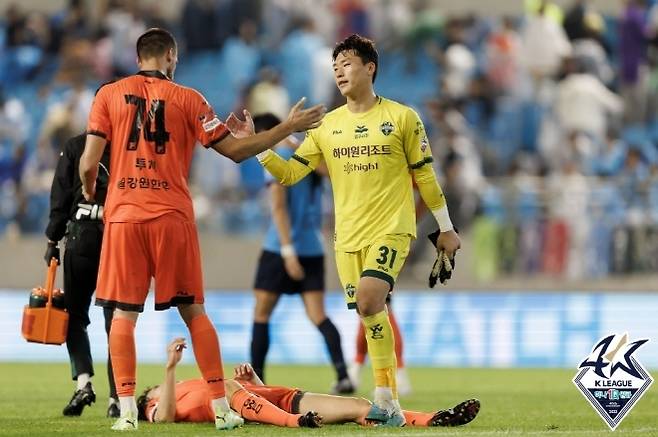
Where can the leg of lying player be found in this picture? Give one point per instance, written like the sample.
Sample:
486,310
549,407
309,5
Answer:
208,357
255,408
371,303
343,409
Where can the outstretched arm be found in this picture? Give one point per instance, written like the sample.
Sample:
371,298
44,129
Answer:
166,411
240,147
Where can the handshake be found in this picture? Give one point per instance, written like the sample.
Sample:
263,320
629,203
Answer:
89,211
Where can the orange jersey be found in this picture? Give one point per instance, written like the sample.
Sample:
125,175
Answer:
194,404
152,125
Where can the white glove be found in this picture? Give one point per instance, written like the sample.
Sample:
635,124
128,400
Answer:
89,211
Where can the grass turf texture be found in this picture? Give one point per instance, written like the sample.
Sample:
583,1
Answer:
517,402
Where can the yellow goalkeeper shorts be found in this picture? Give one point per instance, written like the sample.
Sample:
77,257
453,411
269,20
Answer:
382,259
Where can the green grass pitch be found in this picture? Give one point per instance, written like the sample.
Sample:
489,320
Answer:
515,402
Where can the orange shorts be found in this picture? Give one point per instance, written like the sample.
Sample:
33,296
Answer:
285,398
165,248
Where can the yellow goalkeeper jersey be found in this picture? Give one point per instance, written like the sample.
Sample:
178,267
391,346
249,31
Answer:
370,157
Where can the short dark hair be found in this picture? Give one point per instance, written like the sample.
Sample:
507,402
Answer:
142,402
362,47
265,121
154,42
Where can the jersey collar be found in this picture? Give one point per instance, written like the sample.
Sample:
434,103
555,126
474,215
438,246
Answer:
153,73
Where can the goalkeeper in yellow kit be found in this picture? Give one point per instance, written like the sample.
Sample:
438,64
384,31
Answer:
372,147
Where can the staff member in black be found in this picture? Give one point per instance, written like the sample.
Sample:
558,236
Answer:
82,224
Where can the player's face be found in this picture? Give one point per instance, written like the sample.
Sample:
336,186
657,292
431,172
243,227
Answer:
351,74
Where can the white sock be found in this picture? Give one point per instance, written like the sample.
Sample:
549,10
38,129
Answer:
127,405
383,394
83,379
220,404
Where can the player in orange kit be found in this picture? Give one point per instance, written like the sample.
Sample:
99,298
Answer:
189,401
153,125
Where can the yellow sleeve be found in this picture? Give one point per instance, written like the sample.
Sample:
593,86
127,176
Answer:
419,159
305,159
416,145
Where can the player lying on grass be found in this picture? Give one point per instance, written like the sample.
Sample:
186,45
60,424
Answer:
190,401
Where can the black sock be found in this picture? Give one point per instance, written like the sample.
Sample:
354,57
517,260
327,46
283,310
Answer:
260,343
332,339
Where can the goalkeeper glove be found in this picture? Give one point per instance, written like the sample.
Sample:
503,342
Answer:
89,211
443,266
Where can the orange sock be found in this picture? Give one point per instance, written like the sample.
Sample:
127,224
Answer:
361,345
415,418
123,355
257,409
398,339
206,351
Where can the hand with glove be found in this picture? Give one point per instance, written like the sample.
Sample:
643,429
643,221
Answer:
89,211
52,251
447,244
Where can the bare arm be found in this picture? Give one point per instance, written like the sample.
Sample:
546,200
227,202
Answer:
240,147
281,221
166,411
94,148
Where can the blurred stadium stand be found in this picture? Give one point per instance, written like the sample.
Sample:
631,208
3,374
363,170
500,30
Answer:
550,169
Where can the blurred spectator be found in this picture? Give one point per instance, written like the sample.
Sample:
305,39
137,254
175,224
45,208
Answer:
583,102
569,190
353,18
574,20
502,57
268,95
458,61
71,21
240,57
299,54
551,9
201,27
611,158
632,55
14,124
544,44
66,116
590,52
125,25
634,178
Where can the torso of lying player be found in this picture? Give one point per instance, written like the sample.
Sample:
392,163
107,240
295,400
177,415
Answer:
194,403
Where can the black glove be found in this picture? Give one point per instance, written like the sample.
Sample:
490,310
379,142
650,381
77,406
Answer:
52,251
443,266
89,211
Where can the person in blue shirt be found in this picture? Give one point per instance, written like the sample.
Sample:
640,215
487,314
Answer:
292,262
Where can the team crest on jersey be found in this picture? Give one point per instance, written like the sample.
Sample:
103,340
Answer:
611,379
387,128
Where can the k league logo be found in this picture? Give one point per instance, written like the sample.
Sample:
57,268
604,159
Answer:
611,379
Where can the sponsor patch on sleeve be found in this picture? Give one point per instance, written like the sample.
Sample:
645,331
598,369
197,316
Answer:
211,125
